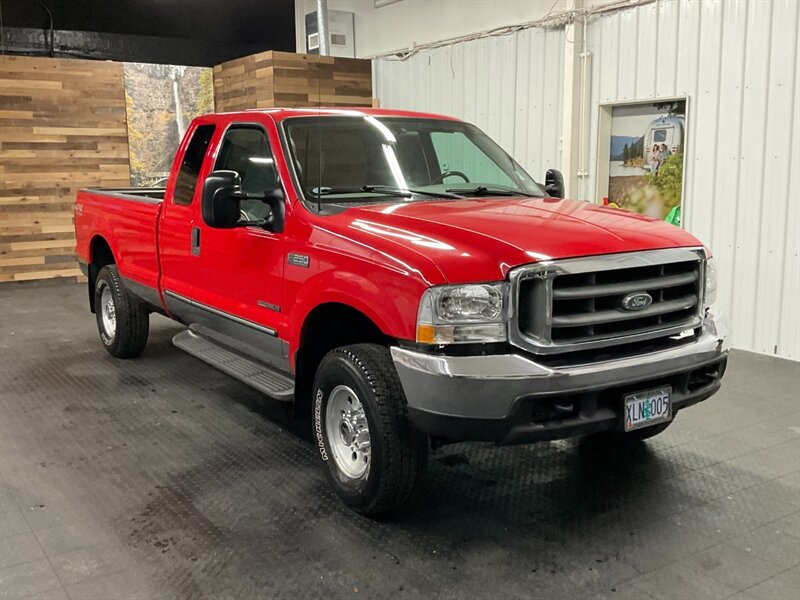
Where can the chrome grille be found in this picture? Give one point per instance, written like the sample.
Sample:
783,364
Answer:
577,303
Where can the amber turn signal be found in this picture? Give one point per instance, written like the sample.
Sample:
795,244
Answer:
425,334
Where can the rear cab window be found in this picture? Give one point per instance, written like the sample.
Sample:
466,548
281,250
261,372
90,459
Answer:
186,181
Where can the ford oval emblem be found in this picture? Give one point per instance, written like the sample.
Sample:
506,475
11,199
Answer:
637,301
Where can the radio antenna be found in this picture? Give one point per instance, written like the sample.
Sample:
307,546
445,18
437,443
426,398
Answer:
319,131
323,50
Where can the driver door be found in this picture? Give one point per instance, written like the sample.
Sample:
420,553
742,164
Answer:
242,267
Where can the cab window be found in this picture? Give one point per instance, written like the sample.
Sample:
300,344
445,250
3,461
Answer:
246,150
186,181
458,153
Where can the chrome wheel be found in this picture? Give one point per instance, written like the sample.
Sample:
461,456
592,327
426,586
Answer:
108,313
348,432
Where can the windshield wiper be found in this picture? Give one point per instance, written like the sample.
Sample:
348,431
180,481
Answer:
319,193
384,190
483,190
387,188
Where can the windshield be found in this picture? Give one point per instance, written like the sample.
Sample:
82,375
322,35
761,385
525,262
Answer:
390,159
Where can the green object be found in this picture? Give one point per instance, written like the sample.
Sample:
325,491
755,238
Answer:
674,216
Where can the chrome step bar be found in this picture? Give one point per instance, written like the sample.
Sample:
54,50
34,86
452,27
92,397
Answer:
264,378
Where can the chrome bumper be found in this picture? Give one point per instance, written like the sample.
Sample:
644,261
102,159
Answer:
488,387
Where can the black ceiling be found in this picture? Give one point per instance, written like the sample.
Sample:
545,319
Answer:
260,24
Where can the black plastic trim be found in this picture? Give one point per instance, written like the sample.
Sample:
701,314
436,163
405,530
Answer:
145,293
596,410
220,313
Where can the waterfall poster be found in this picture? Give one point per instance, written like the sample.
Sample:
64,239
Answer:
161,101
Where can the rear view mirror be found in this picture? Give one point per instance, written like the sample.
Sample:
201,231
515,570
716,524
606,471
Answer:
220,203
554,183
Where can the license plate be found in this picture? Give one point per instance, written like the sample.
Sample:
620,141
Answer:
647,408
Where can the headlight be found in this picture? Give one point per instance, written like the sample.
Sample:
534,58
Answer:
711,282
452,314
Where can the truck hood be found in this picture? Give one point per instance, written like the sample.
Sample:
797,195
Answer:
481,239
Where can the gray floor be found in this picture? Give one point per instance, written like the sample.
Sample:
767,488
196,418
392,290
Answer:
162,478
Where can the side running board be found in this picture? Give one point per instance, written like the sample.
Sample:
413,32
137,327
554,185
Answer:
265,379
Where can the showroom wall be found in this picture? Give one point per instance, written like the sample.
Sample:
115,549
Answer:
67,124
736,62
384,26
286,79
62,127
510,86
199,34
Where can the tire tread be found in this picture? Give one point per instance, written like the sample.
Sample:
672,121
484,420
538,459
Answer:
133,317
406,449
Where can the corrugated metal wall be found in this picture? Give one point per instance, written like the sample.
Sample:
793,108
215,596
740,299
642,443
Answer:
509,86
737,62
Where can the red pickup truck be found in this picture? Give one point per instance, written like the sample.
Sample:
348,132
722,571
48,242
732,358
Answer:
405,283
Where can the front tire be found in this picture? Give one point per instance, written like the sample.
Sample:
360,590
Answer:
123,321
372,456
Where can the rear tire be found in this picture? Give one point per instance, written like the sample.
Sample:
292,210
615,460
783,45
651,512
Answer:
372,456
123,321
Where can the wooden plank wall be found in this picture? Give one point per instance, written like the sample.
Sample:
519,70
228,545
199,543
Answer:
62,127
271,79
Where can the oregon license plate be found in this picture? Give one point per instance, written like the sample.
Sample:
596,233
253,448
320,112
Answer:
647,408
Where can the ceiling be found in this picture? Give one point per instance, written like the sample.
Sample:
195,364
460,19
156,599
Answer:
267,23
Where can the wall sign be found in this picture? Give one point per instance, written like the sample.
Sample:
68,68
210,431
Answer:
641,157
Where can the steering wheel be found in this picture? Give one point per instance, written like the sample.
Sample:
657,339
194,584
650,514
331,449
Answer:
446,174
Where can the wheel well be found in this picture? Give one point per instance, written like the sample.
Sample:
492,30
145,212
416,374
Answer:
328,326
100,255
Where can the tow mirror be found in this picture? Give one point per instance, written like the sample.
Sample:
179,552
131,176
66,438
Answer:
220,204
554,183
222,198
274,198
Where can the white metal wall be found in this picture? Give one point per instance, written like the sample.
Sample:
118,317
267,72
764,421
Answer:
509,86
737,62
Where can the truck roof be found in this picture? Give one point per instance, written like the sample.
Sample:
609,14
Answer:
279,114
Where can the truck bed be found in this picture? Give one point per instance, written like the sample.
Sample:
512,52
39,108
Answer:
125,220
155,194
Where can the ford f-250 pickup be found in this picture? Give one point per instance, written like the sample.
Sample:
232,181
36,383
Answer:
405,283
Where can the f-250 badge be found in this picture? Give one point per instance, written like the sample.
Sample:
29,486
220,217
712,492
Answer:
298,260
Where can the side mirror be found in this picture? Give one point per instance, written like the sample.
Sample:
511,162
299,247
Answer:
274,198
554,183
220,203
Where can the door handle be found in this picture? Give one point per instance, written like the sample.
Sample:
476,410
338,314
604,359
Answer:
196,241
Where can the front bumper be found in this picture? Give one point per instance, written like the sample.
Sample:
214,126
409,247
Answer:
512,398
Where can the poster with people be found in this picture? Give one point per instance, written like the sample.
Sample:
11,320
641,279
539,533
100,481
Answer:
645,172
